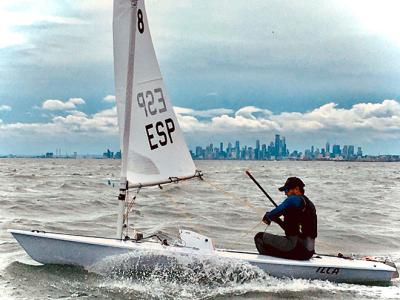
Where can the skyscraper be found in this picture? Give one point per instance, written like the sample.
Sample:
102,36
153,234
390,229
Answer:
359,152
345,151
271,149
199,152
336,150
263,151
228,153
350,151
277,145
327,147
284,146
257,150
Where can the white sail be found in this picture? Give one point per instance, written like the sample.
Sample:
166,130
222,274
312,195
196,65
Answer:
155,150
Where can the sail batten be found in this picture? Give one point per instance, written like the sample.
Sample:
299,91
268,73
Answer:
154,149
143,82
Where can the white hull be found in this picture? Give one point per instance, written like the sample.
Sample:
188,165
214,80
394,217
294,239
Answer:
51,248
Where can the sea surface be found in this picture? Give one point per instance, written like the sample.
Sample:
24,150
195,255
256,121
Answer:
358,207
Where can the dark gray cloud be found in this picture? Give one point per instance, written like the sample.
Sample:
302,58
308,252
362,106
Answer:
283,56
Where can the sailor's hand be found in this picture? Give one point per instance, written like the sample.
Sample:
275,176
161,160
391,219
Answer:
266,220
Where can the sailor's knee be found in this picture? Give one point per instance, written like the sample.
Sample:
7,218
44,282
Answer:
258,237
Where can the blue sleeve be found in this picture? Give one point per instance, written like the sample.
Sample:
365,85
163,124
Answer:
291,201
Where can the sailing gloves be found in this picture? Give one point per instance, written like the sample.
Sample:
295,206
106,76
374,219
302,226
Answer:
266,220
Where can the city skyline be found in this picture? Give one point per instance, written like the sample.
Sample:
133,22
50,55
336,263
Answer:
275,150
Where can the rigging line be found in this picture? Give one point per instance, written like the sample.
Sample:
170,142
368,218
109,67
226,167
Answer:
244,201
191,195
132,202
235,242
129,207
175,204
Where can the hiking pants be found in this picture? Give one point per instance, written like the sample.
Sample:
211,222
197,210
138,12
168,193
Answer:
290,247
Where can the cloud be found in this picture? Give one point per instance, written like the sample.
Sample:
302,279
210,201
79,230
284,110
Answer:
104,121
77,113
252,112
202,113
5,107
275,58
363,123
373,118
109,99
60,105
379,118
75,123
29,14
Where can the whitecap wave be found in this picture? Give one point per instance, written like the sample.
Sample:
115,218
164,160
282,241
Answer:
185,277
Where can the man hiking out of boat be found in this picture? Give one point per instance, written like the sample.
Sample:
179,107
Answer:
299,223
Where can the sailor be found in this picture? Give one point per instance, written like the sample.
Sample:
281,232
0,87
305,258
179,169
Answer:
299,223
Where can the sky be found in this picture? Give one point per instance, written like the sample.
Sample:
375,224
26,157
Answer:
312,71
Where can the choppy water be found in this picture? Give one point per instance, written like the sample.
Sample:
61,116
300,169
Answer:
358,208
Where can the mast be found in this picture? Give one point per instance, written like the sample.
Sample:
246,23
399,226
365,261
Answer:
123,190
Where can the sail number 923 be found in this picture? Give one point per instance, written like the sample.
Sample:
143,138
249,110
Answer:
158,134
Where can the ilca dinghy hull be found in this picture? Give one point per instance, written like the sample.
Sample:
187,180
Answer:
157,155
52,248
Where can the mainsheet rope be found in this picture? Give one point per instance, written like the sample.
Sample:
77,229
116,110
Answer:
245,201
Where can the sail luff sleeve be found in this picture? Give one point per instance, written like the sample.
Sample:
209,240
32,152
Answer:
129,87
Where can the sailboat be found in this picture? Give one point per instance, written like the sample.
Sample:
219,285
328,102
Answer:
154,153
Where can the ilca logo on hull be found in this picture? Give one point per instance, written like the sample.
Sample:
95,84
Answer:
327,270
